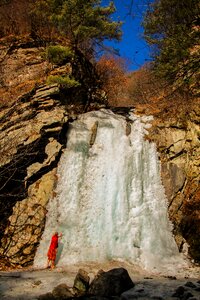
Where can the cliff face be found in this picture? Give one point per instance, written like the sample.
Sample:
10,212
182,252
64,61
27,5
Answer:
21,67
32,137
33,134
178,142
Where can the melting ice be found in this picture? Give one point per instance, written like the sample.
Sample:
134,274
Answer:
110,202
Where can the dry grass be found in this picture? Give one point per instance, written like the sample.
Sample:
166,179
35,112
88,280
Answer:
9,95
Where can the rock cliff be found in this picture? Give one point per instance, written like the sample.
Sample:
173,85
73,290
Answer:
33,134
178,142
32,138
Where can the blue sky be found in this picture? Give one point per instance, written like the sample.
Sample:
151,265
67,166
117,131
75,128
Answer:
132,46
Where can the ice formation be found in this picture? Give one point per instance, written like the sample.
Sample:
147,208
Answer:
110,202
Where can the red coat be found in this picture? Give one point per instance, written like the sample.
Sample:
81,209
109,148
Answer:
53,248
54,242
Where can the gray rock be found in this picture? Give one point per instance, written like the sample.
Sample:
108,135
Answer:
47,296
81,282
190,284
179,291
187,295
62,292
111,283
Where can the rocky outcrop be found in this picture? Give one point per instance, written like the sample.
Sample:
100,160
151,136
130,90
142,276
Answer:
32,138
22,65
178,142
33,134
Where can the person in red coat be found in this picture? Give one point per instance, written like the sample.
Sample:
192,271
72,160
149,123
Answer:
51,254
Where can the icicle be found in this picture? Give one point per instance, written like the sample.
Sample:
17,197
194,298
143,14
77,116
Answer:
110,201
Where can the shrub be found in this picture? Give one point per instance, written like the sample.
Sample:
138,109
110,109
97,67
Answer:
112,73
64,81
58,54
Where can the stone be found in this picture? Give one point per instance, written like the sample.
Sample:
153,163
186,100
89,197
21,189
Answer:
93,133
37,282
190,284
52,149
173,178
136,292
47,296
94,298
179,292
62,292
173,139
81,282
187,295
111,283
27,221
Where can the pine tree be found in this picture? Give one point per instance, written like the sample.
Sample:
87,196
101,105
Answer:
172,29
84,22
82,26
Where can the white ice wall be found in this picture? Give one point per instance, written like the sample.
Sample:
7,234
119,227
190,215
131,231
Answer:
110,202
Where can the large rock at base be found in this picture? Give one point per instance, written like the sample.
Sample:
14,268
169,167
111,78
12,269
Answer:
62,292
111,283
81,282
47,296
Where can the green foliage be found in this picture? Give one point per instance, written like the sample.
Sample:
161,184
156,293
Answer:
83,25
58,54
64,81
84,22
171,28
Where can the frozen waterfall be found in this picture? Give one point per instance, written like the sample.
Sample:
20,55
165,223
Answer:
110,202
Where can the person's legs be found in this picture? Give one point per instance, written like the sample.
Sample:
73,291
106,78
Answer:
53,259
48,263
52,264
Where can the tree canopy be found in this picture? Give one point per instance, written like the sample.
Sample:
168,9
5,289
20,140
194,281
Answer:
172,28
84,22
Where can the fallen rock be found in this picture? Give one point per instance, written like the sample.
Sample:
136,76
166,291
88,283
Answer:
187,295
47,296
81,282
62,292
111,283
190,284
179,292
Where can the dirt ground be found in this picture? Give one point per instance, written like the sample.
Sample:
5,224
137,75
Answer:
30,283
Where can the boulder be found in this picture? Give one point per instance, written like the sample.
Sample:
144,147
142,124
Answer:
179,292
62,292
47,296
111,283
81,282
